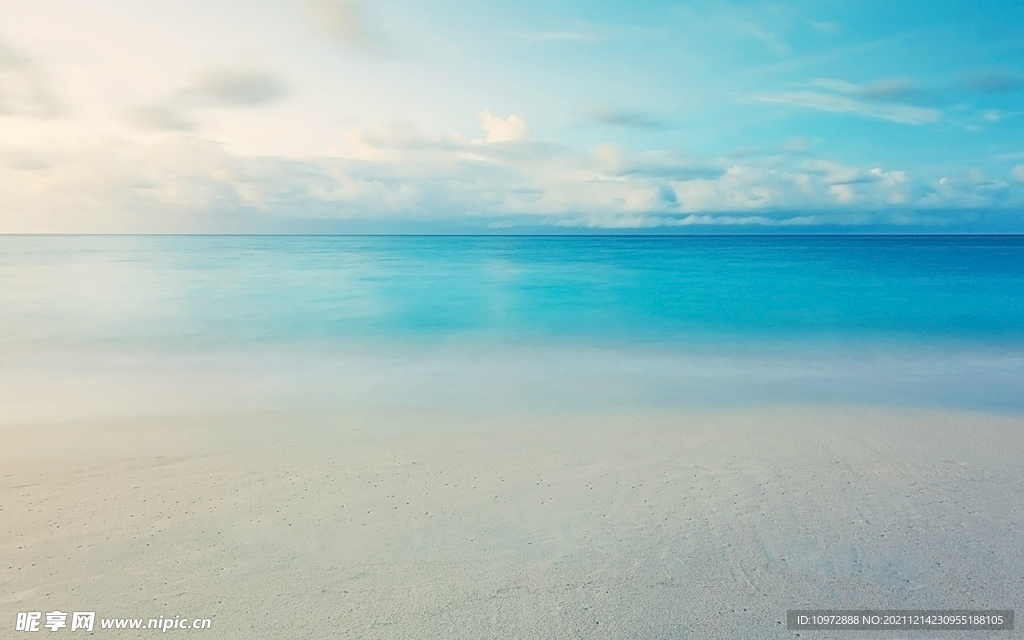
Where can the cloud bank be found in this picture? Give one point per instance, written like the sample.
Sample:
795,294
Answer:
506,176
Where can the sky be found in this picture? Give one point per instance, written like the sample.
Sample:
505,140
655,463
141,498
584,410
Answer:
557,116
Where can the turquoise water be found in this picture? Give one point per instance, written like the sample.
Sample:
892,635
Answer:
568,322
681,290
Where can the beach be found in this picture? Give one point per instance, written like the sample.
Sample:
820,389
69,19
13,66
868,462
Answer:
629,524
451,437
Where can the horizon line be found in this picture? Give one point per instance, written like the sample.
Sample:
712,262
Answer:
518,235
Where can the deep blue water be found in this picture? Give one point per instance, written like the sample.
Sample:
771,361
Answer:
238,290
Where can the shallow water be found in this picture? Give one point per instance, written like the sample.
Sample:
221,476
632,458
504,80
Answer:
552,321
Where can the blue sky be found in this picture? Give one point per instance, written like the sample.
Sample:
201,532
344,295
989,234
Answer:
332,115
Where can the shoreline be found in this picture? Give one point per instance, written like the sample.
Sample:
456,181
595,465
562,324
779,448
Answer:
100,385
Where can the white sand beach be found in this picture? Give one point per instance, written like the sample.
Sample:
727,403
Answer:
636,524
457,320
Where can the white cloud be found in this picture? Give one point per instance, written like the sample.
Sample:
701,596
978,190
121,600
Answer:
740,188
895,89
893,112
1018,172
970,191
896,187
834,173
811,185
499,129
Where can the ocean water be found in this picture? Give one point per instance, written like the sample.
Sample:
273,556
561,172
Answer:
925,320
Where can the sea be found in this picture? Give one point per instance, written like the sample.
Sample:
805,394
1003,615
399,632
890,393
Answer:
98,324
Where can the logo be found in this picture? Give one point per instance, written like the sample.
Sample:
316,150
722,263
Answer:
32,620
